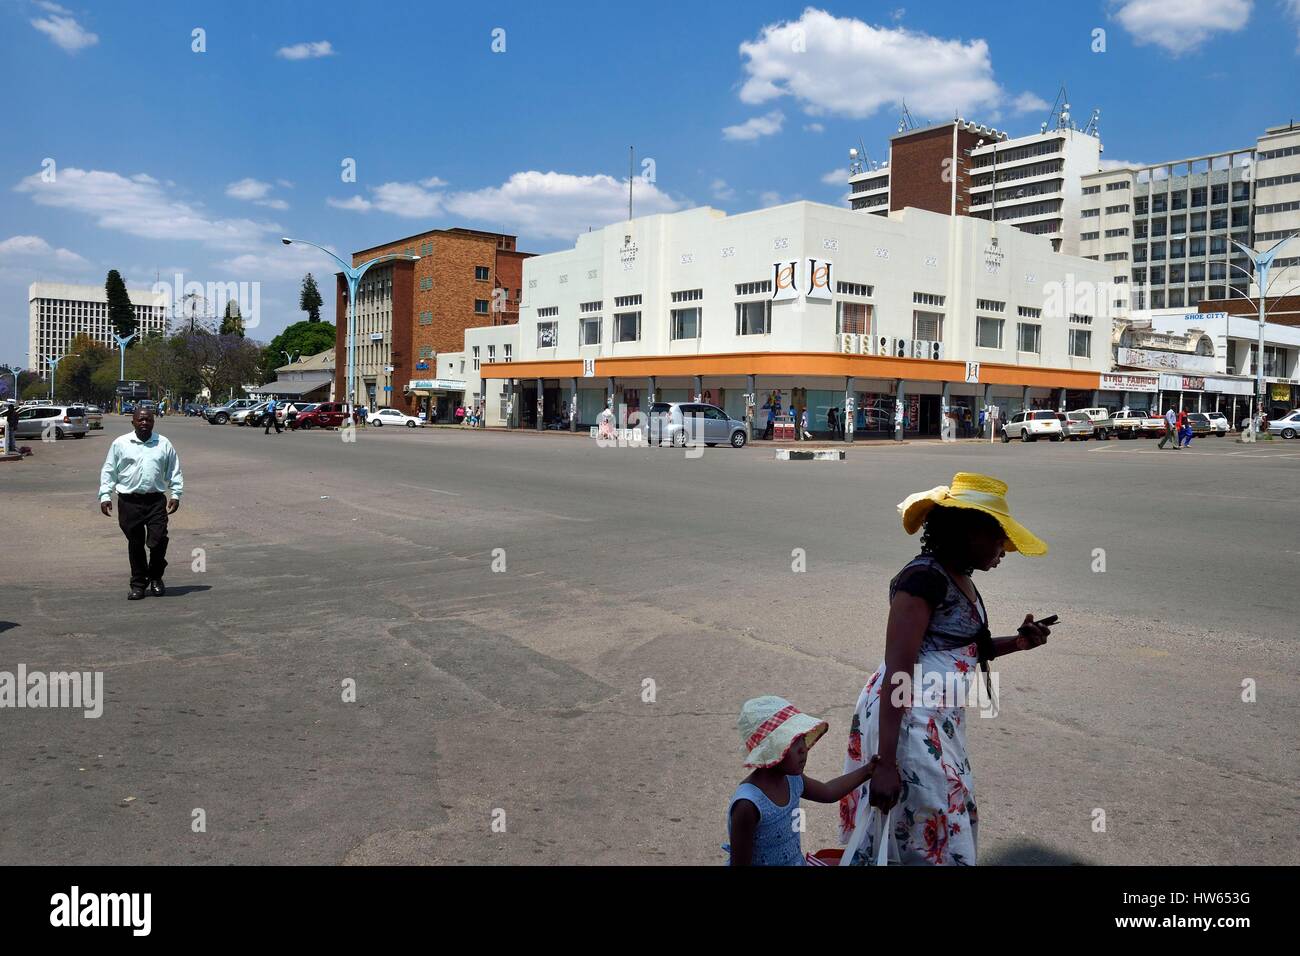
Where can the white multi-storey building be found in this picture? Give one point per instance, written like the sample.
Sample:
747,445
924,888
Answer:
58,312
1277,205
816,303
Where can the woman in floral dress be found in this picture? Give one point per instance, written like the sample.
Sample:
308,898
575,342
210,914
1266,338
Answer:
938,633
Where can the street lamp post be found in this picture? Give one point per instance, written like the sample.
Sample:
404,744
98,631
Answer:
14,370
54,365
122,342
287,359
1263,263
353,275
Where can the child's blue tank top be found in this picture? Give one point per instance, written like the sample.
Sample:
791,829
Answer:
776,843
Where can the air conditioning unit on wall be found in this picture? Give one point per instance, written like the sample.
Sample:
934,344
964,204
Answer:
936,350
902,348
884,345
847,343
920,348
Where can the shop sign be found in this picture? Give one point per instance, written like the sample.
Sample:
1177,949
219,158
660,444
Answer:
589,368
785,280
1230,386
1280,393
993,257
819,280
1182,383
450,384
1122,382
972,372
421,383
1145,358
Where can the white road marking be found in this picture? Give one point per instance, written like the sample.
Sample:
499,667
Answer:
436,491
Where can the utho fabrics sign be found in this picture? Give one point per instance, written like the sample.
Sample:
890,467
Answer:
1122,382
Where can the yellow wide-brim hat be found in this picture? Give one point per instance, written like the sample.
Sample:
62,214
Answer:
979,493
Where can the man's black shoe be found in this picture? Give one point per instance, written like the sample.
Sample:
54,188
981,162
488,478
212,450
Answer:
136,594
157,589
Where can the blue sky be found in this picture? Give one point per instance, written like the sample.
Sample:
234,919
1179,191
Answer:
167,159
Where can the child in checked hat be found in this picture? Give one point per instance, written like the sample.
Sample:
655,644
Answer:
763,819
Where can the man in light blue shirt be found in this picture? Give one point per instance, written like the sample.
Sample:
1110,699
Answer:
1171,432
142,468
269,418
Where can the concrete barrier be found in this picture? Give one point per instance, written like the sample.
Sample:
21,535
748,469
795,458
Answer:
791,454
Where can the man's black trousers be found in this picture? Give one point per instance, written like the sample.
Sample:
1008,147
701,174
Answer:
143,519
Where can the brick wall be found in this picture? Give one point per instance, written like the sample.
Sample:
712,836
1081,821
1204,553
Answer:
917,167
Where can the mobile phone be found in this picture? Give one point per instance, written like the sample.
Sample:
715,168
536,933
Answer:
1047,621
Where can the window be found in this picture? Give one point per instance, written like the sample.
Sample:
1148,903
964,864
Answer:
689,295
927,326
851,317
1089,190
1078,319
590,306
1027,337
627,326
589,331
426,318
754,288
927,298
481,306
1085,236
1121,184
754,318
1029,312
476,360
1081,343
1113,233
1115,256
482,273
854,288
685,323
1112,210
1160,203
548,312
1089,213
988,332
426,351
492,353
626,301
547,335
508,348
990,305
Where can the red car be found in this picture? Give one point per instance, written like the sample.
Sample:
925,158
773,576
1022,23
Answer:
324,415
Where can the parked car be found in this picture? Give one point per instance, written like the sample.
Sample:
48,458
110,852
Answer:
1078,426
1102,423
1288,426
1219,423
64,420
94,417
248,416
1033,425
286,412
391,416
1136,422
220,414
324,415
1200,423
680,423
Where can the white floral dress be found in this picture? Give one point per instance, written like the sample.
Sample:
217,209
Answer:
935,820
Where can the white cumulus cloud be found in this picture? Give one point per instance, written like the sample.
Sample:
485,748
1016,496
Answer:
35,246
256,192
1180,26
1029,103
841,66
306,51
63,28
756,127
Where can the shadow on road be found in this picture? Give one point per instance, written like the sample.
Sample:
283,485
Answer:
5,625
186,589
1030,853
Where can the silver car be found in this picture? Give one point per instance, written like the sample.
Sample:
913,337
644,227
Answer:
682,423
1288,426
36,421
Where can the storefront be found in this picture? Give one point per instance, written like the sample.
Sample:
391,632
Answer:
1127,390
436,399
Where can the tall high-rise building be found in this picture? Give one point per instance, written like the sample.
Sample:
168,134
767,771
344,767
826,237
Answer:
58,312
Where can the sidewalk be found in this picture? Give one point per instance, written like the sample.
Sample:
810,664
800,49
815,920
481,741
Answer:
814,445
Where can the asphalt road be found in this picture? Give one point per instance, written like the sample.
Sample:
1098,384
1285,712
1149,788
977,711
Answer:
515,696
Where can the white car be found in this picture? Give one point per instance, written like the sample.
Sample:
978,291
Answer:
1033,425
1218,423
1287,427
391,416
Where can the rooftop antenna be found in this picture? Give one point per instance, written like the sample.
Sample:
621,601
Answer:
905,121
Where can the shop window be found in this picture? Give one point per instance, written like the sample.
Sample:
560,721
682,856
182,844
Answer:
589,330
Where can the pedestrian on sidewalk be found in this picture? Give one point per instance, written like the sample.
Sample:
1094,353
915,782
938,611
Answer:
1181,428
777,737
938,626
11,427
269,419
832,422
1171,429
1185,429
143,468
803,425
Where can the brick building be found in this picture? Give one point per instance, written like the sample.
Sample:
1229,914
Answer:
409,312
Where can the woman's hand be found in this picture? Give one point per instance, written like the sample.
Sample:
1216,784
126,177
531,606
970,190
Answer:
1030,634
886,785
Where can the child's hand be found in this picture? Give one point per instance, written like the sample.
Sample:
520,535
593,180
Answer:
872,764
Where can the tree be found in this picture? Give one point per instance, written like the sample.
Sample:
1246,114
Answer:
77,378
218,362
306,338
310,301
233,322
121,313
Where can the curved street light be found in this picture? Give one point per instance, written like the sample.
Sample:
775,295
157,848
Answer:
353,275
1263,262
